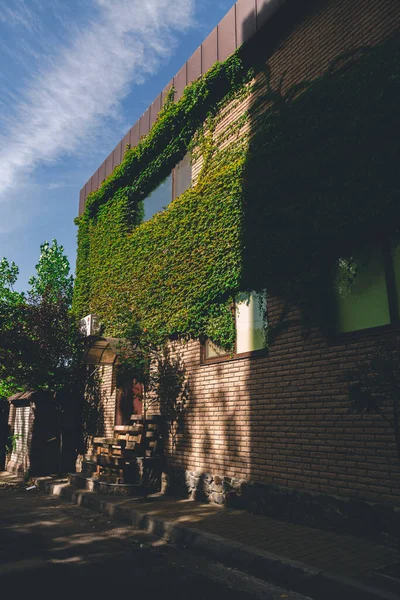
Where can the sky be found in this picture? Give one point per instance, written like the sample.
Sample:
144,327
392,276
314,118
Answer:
75,75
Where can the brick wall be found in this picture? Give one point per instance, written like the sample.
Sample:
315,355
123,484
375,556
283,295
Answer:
282,419
108,395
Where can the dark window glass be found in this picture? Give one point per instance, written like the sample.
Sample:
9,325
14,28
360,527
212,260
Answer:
158,199
182,176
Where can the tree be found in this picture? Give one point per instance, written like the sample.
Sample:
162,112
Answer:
40,342
375,386
53,278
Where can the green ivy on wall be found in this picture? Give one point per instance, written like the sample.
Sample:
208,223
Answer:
312,179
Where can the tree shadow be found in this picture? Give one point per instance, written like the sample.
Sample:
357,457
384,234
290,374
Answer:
320,159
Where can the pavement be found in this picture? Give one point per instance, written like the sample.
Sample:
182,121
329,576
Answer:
51,547
319,564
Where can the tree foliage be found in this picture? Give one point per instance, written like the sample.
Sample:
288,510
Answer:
40,342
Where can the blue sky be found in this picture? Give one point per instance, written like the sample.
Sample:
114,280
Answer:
74,76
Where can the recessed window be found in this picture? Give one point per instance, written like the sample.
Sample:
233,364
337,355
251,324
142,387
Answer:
367,289
213,351
250,309
159,199
249,316
182,176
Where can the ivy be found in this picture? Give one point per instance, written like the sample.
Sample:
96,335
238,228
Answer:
301,178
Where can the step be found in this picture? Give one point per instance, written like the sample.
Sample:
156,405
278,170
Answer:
90,484
128,428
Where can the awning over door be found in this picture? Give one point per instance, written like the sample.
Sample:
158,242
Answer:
101,351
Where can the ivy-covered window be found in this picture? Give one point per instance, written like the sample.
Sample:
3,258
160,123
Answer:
176,183
159,199
367,289
249,310
182,176
249,320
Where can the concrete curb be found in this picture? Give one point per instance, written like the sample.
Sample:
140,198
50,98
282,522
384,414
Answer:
290,574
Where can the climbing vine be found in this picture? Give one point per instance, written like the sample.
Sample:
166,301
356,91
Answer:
300,178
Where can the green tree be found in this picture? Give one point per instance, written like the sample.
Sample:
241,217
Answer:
40,344
52,279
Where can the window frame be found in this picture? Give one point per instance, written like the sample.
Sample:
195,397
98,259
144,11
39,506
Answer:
393,304
234,355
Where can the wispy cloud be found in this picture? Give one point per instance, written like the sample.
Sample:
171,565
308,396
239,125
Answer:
18,14
85,82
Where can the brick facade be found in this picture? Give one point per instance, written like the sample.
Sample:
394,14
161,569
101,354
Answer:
283,418
108,397
280,419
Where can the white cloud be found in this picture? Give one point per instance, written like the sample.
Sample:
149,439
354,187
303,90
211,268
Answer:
17,15
86,81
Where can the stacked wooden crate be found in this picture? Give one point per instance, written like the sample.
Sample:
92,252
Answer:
131,454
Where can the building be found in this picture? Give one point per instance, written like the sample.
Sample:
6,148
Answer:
277,166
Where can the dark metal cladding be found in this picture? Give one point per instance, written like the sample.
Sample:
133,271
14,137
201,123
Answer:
227,35
82,198
102,172
88,187
246,22
165,91
180,82
95,180
155,109
109,164
124,143
144,123
193,66
265,10
117,155
134,135
209,51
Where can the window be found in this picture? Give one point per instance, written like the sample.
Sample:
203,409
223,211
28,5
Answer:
158,199
182,177
249,319
250,331
176,183
367,289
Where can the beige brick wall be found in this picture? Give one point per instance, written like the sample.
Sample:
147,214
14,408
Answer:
283,418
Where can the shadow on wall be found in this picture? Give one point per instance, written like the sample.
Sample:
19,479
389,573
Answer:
319,174
311,193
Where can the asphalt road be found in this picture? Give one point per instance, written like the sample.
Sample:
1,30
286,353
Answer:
52,548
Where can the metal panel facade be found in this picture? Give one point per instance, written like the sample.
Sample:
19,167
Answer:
134,135
165,91
117,155
265,10
209,49
227,35
109,164
194,66
180,82
246,22
125,141
155,109
144,123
